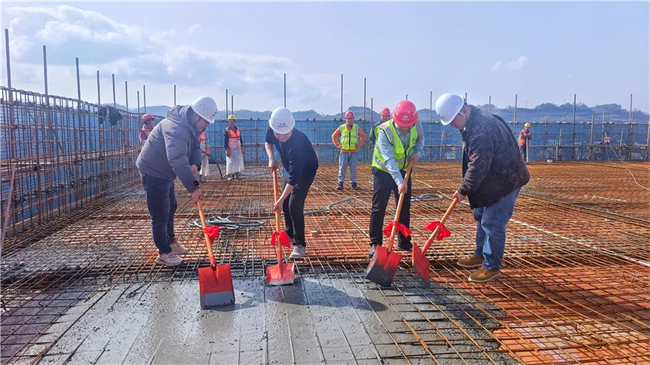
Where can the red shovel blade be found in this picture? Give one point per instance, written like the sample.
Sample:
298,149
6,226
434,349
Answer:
420,262
216,286
383,266
280,274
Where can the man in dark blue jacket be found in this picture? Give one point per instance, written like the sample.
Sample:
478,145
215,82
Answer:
493,173
300,164
173,150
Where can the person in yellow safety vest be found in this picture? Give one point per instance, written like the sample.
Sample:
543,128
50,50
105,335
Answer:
525,136
385,116
400,141
234,146
348,138
205,160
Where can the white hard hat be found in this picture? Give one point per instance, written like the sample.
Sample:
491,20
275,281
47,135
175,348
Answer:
282,121
447,107
206,108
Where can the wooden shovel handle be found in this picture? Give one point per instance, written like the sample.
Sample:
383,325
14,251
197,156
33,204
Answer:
442,221
277,216
208,244
393,232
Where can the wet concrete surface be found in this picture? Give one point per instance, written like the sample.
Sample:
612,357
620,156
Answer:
322,318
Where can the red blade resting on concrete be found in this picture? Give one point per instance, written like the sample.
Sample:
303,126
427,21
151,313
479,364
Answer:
418,258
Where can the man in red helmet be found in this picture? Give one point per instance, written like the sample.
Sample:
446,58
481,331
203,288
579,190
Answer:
400,141
348,138
385,116
148,121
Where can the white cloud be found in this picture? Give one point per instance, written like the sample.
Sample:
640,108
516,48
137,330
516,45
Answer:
193,28
513,65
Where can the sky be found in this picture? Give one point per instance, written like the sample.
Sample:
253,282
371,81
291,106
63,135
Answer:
541,51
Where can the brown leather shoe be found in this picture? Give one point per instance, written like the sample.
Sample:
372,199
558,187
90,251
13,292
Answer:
484,275
470,262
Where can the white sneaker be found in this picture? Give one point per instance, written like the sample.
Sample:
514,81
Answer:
179,249
169,259
298,252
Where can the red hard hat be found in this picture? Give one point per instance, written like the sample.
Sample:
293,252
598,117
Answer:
405,114
385,112
349,115
146,118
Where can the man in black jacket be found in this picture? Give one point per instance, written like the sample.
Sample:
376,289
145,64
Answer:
493,173
300,164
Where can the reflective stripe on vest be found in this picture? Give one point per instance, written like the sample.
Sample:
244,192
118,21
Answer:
233,139
523,135
349,139
388,128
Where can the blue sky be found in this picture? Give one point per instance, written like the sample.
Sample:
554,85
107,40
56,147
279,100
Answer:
544,52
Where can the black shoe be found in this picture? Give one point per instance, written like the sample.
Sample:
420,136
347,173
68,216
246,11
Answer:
340,187
408,247
371,253
355,187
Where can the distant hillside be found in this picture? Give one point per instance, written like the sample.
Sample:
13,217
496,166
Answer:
546,111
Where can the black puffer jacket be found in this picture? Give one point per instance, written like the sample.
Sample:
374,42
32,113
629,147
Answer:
492,164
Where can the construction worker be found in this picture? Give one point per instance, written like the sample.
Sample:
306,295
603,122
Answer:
385,116
148,122
234,146
525,136
173,149
493,173
300,165
400,141
347,138
205,160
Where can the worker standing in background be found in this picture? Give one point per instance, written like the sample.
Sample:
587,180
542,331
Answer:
148,122
493,173
385,116
173,150
400,142
300,165
233,143
525,136
205,160
348,138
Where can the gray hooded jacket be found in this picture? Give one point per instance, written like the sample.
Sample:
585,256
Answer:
171,148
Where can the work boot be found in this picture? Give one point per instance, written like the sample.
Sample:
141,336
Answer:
355,186
340,186
229,177
470,261
371,253
405,246
169,259
298,252
483,275
238,176
179,249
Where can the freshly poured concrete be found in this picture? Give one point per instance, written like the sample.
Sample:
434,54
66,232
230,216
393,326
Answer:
330,319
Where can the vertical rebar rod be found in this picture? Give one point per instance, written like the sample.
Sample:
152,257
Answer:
341,96
226,116
77,142
137,93
364,99
174,94
285,89
232,104
144,97
591,137
8,63
630,131
573,133
489,104
514,117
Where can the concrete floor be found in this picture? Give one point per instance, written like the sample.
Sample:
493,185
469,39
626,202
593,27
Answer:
332,319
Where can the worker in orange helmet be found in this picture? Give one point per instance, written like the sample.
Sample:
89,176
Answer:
148,122
234,146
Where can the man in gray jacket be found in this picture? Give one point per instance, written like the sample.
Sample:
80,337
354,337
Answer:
173,149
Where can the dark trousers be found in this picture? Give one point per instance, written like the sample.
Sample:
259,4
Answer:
294,207
161,202
383,186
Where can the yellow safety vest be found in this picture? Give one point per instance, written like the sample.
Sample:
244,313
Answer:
401,154
349,139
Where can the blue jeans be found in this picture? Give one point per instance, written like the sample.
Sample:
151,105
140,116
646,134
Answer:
161,201
345,159
491,224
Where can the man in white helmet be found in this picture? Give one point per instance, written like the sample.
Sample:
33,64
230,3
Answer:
493,173
300,164
173,150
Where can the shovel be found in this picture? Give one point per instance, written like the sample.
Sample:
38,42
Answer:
280,274
384,263
215,282
420,262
